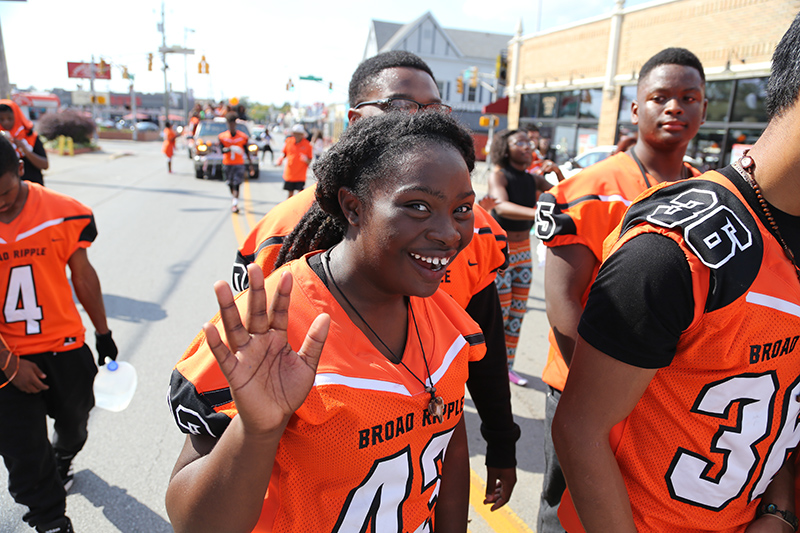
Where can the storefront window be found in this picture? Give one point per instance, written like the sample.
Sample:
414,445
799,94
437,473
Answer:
587,139
748,105
628,95
718,94
529,105
570,100
591,103
738,142
564,138
706,148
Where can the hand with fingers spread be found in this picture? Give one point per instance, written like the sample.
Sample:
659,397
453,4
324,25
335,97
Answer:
268,380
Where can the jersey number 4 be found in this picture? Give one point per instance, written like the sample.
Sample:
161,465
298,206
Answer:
21,304
689,478
377,503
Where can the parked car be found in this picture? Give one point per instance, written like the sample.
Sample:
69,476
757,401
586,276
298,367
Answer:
207,152
598,153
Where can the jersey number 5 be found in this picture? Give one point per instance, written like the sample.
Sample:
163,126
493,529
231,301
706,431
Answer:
21,304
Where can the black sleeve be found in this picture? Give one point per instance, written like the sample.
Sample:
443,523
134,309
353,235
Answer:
488,382
640,303
38,148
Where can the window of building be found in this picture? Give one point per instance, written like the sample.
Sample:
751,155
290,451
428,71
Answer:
748,104
569,103
627,96
718,94
472,93
548,105
591,103
529,106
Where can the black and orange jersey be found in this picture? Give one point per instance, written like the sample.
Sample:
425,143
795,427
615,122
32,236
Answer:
39,314
471,271
295,169
719,419
363,447
585,209
237,147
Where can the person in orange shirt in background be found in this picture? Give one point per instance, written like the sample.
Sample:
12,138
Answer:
169,144
234,148
27,143
298,153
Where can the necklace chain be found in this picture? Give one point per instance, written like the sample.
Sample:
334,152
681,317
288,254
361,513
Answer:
746,167
436,404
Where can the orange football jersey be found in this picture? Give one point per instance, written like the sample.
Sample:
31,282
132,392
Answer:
713,427
38,311
362,448
585,209
237,144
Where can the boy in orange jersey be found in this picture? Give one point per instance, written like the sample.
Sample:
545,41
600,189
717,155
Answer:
681,406
575,216
234,150
50,370
401,81
298,152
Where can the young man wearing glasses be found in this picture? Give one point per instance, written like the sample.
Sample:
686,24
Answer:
574,218
401,81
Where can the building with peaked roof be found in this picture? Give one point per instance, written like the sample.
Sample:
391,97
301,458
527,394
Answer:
449,53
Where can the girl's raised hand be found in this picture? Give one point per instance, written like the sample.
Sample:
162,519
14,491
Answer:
268,380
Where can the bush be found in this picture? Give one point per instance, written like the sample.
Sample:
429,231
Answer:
69,122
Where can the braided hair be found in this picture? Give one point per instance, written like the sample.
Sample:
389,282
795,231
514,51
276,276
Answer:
369,153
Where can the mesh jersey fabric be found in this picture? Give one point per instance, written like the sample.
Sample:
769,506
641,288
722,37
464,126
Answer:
469,273
38,311
713,427
238,145
362,446
295,169
585,209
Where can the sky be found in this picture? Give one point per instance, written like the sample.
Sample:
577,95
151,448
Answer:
253,47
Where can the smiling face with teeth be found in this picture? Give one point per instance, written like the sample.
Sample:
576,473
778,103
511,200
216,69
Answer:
413,224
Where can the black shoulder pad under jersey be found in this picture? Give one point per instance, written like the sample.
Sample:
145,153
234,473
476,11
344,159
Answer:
194,412
717,227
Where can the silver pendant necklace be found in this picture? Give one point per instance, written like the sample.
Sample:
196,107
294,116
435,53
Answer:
436,403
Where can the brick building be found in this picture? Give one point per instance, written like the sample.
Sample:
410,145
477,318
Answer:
577,82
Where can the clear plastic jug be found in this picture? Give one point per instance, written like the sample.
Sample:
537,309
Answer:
114,385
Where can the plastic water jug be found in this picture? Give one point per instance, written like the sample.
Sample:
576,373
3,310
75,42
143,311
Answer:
114,385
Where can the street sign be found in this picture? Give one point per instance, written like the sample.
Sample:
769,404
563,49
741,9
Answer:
85,98
175,50
310,78
102,71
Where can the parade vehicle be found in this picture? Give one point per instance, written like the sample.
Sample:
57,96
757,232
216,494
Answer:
206,151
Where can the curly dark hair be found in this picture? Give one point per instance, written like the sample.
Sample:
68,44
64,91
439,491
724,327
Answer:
498,152
369,153
369,69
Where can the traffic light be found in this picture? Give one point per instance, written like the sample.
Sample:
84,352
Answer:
473,79
501,68
460,85
125,74
202,66
330,86
150,61
290,85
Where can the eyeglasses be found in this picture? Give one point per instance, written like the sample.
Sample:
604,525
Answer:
521,144
407,105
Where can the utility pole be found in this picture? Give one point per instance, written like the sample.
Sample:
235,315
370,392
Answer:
186,78
164,61
133,109
5,86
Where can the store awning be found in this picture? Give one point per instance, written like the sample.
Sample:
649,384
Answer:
500,107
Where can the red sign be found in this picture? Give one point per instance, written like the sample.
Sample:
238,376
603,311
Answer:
102,71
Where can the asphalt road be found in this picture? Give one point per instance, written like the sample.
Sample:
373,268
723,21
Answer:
164,239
